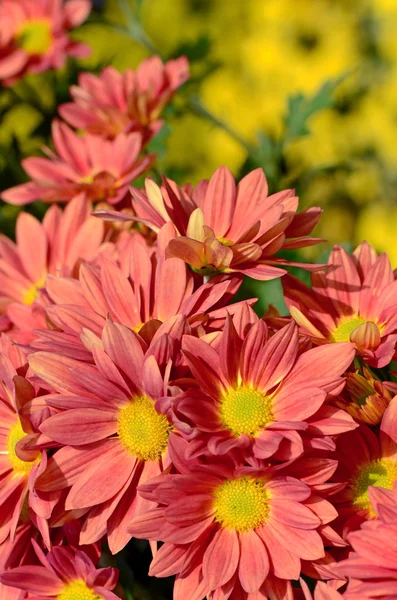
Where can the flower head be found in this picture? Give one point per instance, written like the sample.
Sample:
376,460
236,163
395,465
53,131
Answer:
365,461
224,228
114,102
252,392
355,300
231,531
111,435
34,35
64,574
101,170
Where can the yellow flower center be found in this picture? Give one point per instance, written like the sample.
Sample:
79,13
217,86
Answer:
35,37
345,329
142,431
19,466
33,292
246,410
241,504
225,241
379,473
78,590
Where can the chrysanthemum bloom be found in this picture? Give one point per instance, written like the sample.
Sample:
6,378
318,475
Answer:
100,169
231,533
365,460
14,553
364,397
34,35
65,575
115,102
224,228
112,434
355,300
258,393
56,246
373,566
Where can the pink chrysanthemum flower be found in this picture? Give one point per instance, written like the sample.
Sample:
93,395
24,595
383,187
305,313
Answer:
113,438
100,169
365,460
252,392
56,246
115,102
373,566
355,300
224,228
34,35
64,574
231,533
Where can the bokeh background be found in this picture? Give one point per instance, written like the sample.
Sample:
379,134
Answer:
251,61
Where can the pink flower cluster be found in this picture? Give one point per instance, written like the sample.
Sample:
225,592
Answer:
139,399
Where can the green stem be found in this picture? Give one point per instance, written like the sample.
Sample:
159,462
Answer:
135,29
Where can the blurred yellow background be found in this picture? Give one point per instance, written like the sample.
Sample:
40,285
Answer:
247,58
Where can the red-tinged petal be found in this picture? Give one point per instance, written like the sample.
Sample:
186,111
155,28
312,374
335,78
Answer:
67,464
251,190
188,250
170,297
189,510
267,443
219,201
288,488
191,586
294,514
252,347
33,579
78,427
32,245
124,348
148,525
168,561
285,564
119,295
205,364
277,358
297,404
58,371
389,425
254,562
322,364
261,272
366,337
221,558
304,222
229,351
102,480
306,544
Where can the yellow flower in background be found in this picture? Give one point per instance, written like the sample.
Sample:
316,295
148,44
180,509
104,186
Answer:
377,225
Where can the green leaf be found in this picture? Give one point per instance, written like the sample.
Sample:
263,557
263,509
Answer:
301,108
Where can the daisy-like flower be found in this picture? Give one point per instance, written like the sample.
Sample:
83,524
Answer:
56,246
63,574
34,35
231,532
113,438
365,460
364,397
373,566
115,102
258,394
355,300
100,169
224,228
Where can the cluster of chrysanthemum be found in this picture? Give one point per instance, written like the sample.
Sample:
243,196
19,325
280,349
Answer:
139,399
